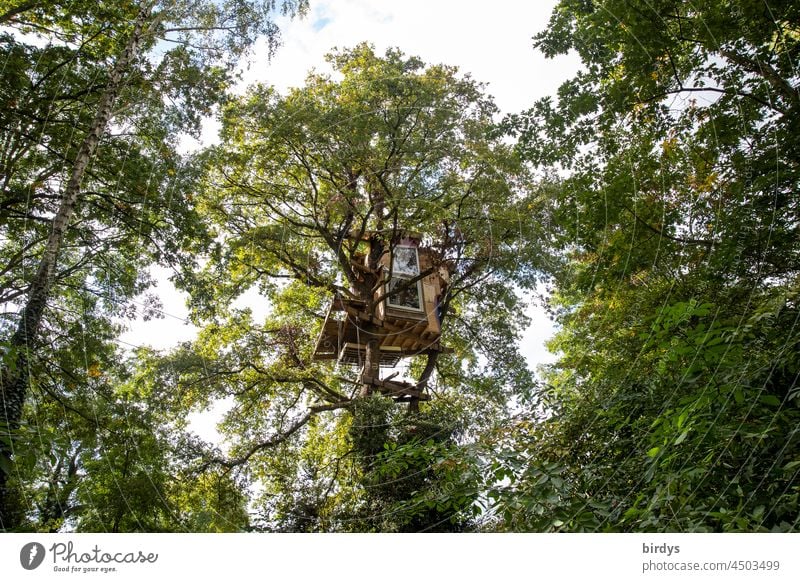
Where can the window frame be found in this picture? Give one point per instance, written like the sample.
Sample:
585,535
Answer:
403,276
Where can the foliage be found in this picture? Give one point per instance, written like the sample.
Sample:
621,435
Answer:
673,405
80,224
390,145
654,196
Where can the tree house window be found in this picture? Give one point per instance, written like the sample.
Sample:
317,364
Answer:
405,267
406,261
404,297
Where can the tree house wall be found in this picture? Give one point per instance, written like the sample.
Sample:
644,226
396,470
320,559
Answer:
407,325
426,319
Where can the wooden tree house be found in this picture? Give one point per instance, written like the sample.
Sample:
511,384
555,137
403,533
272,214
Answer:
401,317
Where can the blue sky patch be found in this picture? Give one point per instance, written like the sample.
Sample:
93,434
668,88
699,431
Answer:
320,23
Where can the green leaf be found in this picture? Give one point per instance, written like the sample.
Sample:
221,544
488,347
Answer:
791,465
770,400
682,418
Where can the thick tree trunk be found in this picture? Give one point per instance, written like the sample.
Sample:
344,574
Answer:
14,376
372,358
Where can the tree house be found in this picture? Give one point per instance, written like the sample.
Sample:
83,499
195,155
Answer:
403,314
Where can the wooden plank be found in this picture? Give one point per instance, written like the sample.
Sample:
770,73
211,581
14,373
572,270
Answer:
430,308
404,314
390,387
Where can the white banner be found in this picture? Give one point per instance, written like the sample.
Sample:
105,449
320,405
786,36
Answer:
399,557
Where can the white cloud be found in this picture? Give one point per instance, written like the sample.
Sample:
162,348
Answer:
491,41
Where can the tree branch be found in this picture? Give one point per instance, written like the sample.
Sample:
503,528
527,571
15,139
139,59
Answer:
277,439
714,90
766,71
688,241
12,12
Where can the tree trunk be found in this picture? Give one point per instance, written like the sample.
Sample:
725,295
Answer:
371,371
14,375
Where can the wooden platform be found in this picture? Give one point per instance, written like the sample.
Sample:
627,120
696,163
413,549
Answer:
344,338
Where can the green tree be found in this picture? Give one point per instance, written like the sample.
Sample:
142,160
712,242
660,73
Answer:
113,82
674,272
103,453
390,146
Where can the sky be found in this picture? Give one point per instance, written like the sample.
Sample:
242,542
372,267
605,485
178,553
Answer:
491,41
